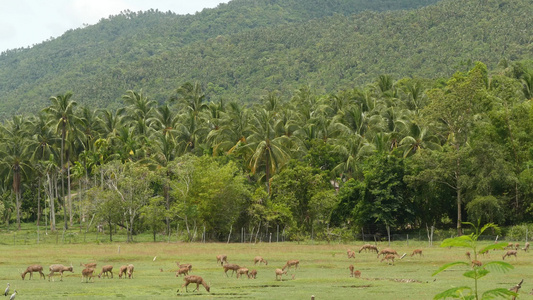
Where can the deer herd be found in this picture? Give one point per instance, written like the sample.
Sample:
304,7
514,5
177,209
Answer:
387,254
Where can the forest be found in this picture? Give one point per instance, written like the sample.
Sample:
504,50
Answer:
318,120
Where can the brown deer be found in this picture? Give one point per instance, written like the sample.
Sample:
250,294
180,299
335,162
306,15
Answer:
476,263
357,274
417,251
510,246
291,263
189,266
106,270
184,271
468,255
388,251
232,267
350,253
87,273
259,259
509,253
195,279
222,259
351,267
59,269
242,271
31,269
89,265
130,271
516,246
367,247
526,247
252,274
388,258
122,271
280,272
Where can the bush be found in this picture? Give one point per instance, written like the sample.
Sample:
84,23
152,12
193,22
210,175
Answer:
518,232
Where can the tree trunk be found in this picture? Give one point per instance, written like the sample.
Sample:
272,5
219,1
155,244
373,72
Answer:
459,196
69,194
39,201
63,134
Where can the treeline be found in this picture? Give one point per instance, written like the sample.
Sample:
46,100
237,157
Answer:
243,48
394,154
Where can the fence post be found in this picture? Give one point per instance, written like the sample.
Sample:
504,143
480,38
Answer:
277,235
407,240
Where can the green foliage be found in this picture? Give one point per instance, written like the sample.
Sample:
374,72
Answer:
476,272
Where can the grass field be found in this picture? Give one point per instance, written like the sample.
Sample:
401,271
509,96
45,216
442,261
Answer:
323,271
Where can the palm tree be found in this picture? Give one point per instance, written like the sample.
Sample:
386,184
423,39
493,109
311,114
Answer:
63,119
232,131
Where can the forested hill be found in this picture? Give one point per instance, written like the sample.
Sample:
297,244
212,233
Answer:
243,48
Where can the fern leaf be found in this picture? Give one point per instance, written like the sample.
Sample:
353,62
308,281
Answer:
497,293
446,266
455,293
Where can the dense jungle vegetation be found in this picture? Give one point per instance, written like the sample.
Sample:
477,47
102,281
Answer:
318,154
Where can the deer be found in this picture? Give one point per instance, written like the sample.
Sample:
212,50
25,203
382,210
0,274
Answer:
350,253
31,269
87,273
222,259
351,267
388,251
252,274
242,271
260,260
468,255
59,269
184,271
476,263
367,247
357,274
291,263
89,265
388,258
526,247
280,272
123,270
188,266
232,267
130,271
106,270
509,253
417,251
509,246
195,279
516,246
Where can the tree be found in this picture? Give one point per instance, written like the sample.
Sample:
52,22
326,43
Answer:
63,119
108,207
153,214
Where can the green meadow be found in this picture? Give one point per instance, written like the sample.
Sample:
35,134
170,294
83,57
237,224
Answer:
323,271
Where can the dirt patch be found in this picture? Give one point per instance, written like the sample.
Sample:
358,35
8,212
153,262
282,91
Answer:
356,286
395,280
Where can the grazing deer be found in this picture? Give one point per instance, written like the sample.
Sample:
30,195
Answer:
526,247
59,269
188,266
122,271
350,253
184,271
252,274
87,273
509,246
242,271
516,246
388,258
357,274
89,265
106,270
222,259
130,271
476,263
388,251
195,279
31,269
509,253
260,260
232,267
280,272
367,247
291,263
417,251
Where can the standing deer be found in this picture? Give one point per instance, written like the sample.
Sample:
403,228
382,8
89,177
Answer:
242,271
351,267
526,247
417,251
59,269
106,270
252,274
181,266
388,251
351,254
89,265
31,269
260,260
388,258
280,272
130,271
184,271
232,267
222,259
87,273
367,247
291,263
509,253
195,279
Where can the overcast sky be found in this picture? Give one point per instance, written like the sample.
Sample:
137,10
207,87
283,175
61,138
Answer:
27,22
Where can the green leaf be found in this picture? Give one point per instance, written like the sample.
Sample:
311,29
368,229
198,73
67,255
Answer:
446,266
459,241
476,274
499,266
487,226
497,293
453,293
498,246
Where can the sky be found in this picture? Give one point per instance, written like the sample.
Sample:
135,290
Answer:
24,23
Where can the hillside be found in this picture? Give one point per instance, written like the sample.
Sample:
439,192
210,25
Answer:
243,48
